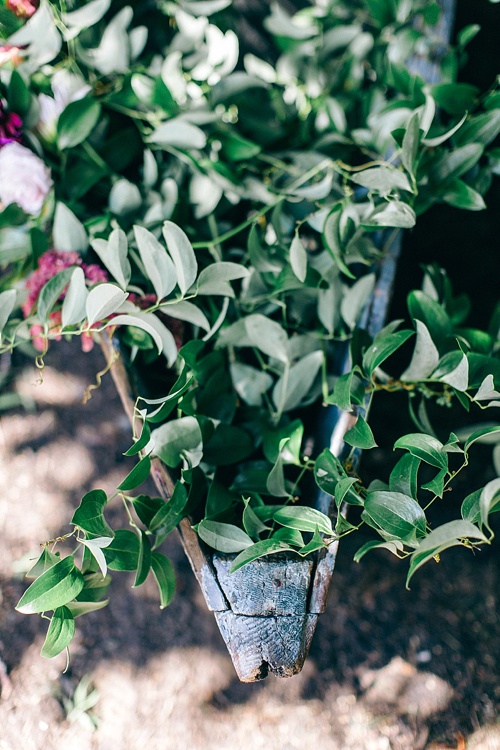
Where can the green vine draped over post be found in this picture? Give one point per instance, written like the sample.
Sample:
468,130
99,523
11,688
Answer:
223,212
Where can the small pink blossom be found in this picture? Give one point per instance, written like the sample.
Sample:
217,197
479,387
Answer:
22,8
10,53
94,273
24,178
10,126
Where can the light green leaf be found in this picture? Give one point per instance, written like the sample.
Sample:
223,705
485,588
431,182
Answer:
170,513
178,133
482,128
439,139
425,356
276,480
182,254
73,308
382,348
461,195
482,435
296,382
213,280
54,588
68,231
89,515
175,437
187,311
78,608
249,383
61,631
161,335
7,304
317,542
489,501
332,241
394,214
163,572
113,255
223,537
51,292
486,390
251,522
411,141
304,519
355,299
157,263
458,378
123,552
393,546
298,258
103,300
124,198
258,331
88,15
383,180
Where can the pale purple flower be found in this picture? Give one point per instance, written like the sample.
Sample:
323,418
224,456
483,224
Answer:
24,178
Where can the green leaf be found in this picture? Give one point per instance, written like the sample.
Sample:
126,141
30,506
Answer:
83,608
146,507
328,471
404,475
395,514
123,552
163,572
467,34
237,148
345,493
61,631
360,436
482,128
454,98
425,356
317,542
304,519
470,509
7,304
443,537
223,537
425,447
89,515
455,163
296,382
159,267
174,438
293,537
382,348
141,442
103,300
170,513
144,561
250,383
394,546
258,331
94,588
259,549
51,292
137,476
77,121
439,139
436,485
113,255
18,96
291,451
424,308
182,254
87,15
276,480
477,435
298,258
332,241
162,337
124,198
54,588
349,390
411,142
227,445
73,308
457,193
251,522
46,560
187,311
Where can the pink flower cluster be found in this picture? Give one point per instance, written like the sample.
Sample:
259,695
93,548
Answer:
50,264
11,126
22,8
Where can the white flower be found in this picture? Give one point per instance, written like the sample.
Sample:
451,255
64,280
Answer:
66,87
24,178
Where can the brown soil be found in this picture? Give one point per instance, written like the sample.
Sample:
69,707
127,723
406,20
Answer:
388,668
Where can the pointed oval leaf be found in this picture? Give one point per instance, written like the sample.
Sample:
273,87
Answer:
51,292
163,572
304,519
123,552
224,537
360,436
144,561
175,437
61,631
182,254
77,121
382,348
425,356
73,309
298,258
57,586
103,300
137,476
294,385
68,232
426,447
157,263
113,255
396,514
7,304
259,549
187,311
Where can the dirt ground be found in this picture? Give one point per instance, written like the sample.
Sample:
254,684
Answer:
388,669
